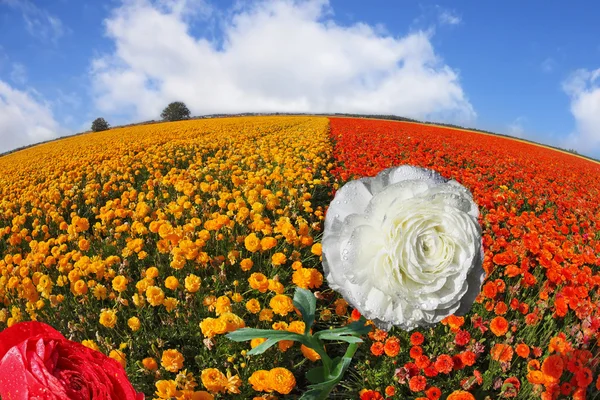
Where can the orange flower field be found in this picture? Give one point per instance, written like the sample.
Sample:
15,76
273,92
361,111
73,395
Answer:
150,243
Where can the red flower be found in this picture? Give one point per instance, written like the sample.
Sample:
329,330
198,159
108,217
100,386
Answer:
433,393
417,383
370,395
377,349
444,364
462,338
512,386
392,346
36,361
416,339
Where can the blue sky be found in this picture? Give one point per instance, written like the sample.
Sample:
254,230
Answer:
528,69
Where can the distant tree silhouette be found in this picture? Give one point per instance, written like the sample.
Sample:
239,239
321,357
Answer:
100,124
175,111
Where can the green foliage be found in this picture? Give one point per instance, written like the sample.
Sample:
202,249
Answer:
175,111
100,124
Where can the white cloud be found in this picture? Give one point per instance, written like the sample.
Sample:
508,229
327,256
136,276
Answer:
38,22
583,87
516,128
18,74
274,56
447,17
23,119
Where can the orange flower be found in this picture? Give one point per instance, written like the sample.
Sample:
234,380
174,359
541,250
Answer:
281,304
453,322
281,380
536,377
377,349
552,368
460,395
499,326
502,352
260,381
433,393
415,351
416,339
417,383
468,358
172,360
258,282
310,353
490,290
522,350
390,391
392,347
214,380
444,364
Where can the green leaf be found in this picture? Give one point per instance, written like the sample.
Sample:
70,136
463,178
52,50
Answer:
264,346
305,301
339,336
244,334
271,335
316,375
357,328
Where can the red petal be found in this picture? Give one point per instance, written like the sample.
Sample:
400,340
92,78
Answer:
24,330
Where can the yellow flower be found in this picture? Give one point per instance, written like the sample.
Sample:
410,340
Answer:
151,272
100,292
192,283
119,356
253,306
259,282
257,342
266,314
281,304
267,243
260,381
281,380
134,323
214,380
278,259
172,360
232,322
237,297
119,283
276,286
310,353
150,364
222,305
80,288
108,318
246,264
171,283
170,303
90,344
155,296
341,307
302,277
166,389
316,249
191,395
252,243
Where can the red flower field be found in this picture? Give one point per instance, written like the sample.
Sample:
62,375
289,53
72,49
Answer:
540,214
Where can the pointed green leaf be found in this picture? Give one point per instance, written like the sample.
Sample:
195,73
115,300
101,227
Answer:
264,346
306,302
338,336
316,375
244,334
357,328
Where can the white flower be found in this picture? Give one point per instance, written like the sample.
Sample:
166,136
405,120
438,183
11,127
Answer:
404,248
